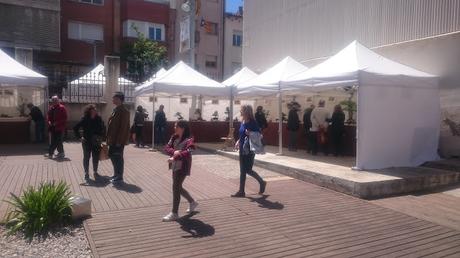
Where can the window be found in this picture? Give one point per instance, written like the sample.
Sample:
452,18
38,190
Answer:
153,31
211,61
184,100
85,31
98,2
215,102
237,38
237,102
211,28
151,99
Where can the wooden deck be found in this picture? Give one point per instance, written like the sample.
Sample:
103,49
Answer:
294,219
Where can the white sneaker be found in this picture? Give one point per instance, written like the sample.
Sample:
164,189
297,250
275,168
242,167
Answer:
192,207
60,155
170,217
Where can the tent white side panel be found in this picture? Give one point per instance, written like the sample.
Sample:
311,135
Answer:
398,125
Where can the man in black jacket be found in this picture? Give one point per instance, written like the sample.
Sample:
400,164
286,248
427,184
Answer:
293,125
307,124
39,120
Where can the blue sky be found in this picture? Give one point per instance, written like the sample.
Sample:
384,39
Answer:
231,6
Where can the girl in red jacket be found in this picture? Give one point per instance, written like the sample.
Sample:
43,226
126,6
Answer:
179,148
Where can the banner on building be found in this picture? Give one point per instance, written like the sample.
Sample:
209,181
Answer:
184,35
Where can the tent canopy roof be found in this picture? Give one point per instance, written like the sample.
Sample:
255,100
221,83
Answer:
242,76
96,77
14,73
267,82
343,68
147,86
181,79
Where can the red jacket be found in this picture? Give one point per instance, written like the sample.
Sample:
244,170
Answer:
57,118
185,153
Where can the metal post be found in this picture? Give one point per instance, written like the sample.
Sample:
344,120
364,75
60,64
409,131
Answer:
192,33
280,123
153,120
230,113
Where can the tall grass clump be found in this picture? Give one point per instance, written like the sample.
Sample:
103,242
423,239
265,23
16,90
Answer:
39,209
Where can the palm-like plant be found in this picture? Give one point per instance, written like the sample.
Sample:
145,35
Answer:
39,209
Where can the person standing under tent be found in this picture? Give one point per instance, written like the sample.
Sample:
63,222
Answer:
337,129
160,126
93,134
57,121
318,131
180,148
247,157
118,136
39,121
307,125
293,125
261,119
139,119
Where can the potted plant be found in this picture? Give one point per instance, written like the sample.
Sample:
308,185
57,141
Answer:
215,116
179,116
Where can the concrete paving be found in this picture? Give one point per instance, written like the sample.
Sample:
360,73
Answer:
336,173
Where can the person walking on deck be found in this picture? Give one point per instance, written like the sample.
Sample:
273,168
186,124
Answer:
248,125
179,149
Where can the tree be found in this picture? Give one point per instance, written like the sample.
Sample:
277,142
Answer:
143,56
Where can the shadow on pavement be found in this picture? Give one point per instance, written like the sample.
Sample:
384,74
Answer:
195,227
267,204
101,181
127,187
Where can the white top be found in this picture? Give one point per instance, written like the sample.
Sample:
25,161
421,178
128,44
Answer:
97,77
345,68
14,73
147,86
242,76
267,83
318,117
181,79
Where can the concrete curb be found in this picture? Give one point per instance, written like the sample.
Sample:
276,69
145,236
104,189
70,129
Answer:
429,179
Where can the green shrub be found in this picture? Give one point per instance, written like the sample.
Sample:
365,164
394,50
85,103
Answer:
39,209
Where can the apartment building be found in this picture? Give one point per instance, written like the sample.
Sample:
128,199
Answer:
233,43
208,45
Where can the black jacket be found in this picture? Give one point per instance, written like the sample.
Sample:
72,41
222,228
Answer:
36,114
261,120
139,118
293,120
307,119
337,122
160,119
93,129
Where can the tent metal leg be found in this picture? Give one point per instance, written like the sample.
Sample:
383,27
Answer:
280,122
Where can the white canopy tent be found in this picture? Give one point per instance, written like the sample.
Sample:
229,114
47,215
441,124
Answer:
89,87
15,76
14,73
398,107
181,79
269,83
243,75
147,86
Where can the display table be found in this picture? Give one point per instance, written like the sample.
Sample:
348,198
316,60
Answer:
14,130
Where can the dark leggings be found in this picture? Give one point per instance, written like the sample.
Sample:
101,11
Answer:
88,151
138,131
246,163
178,190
